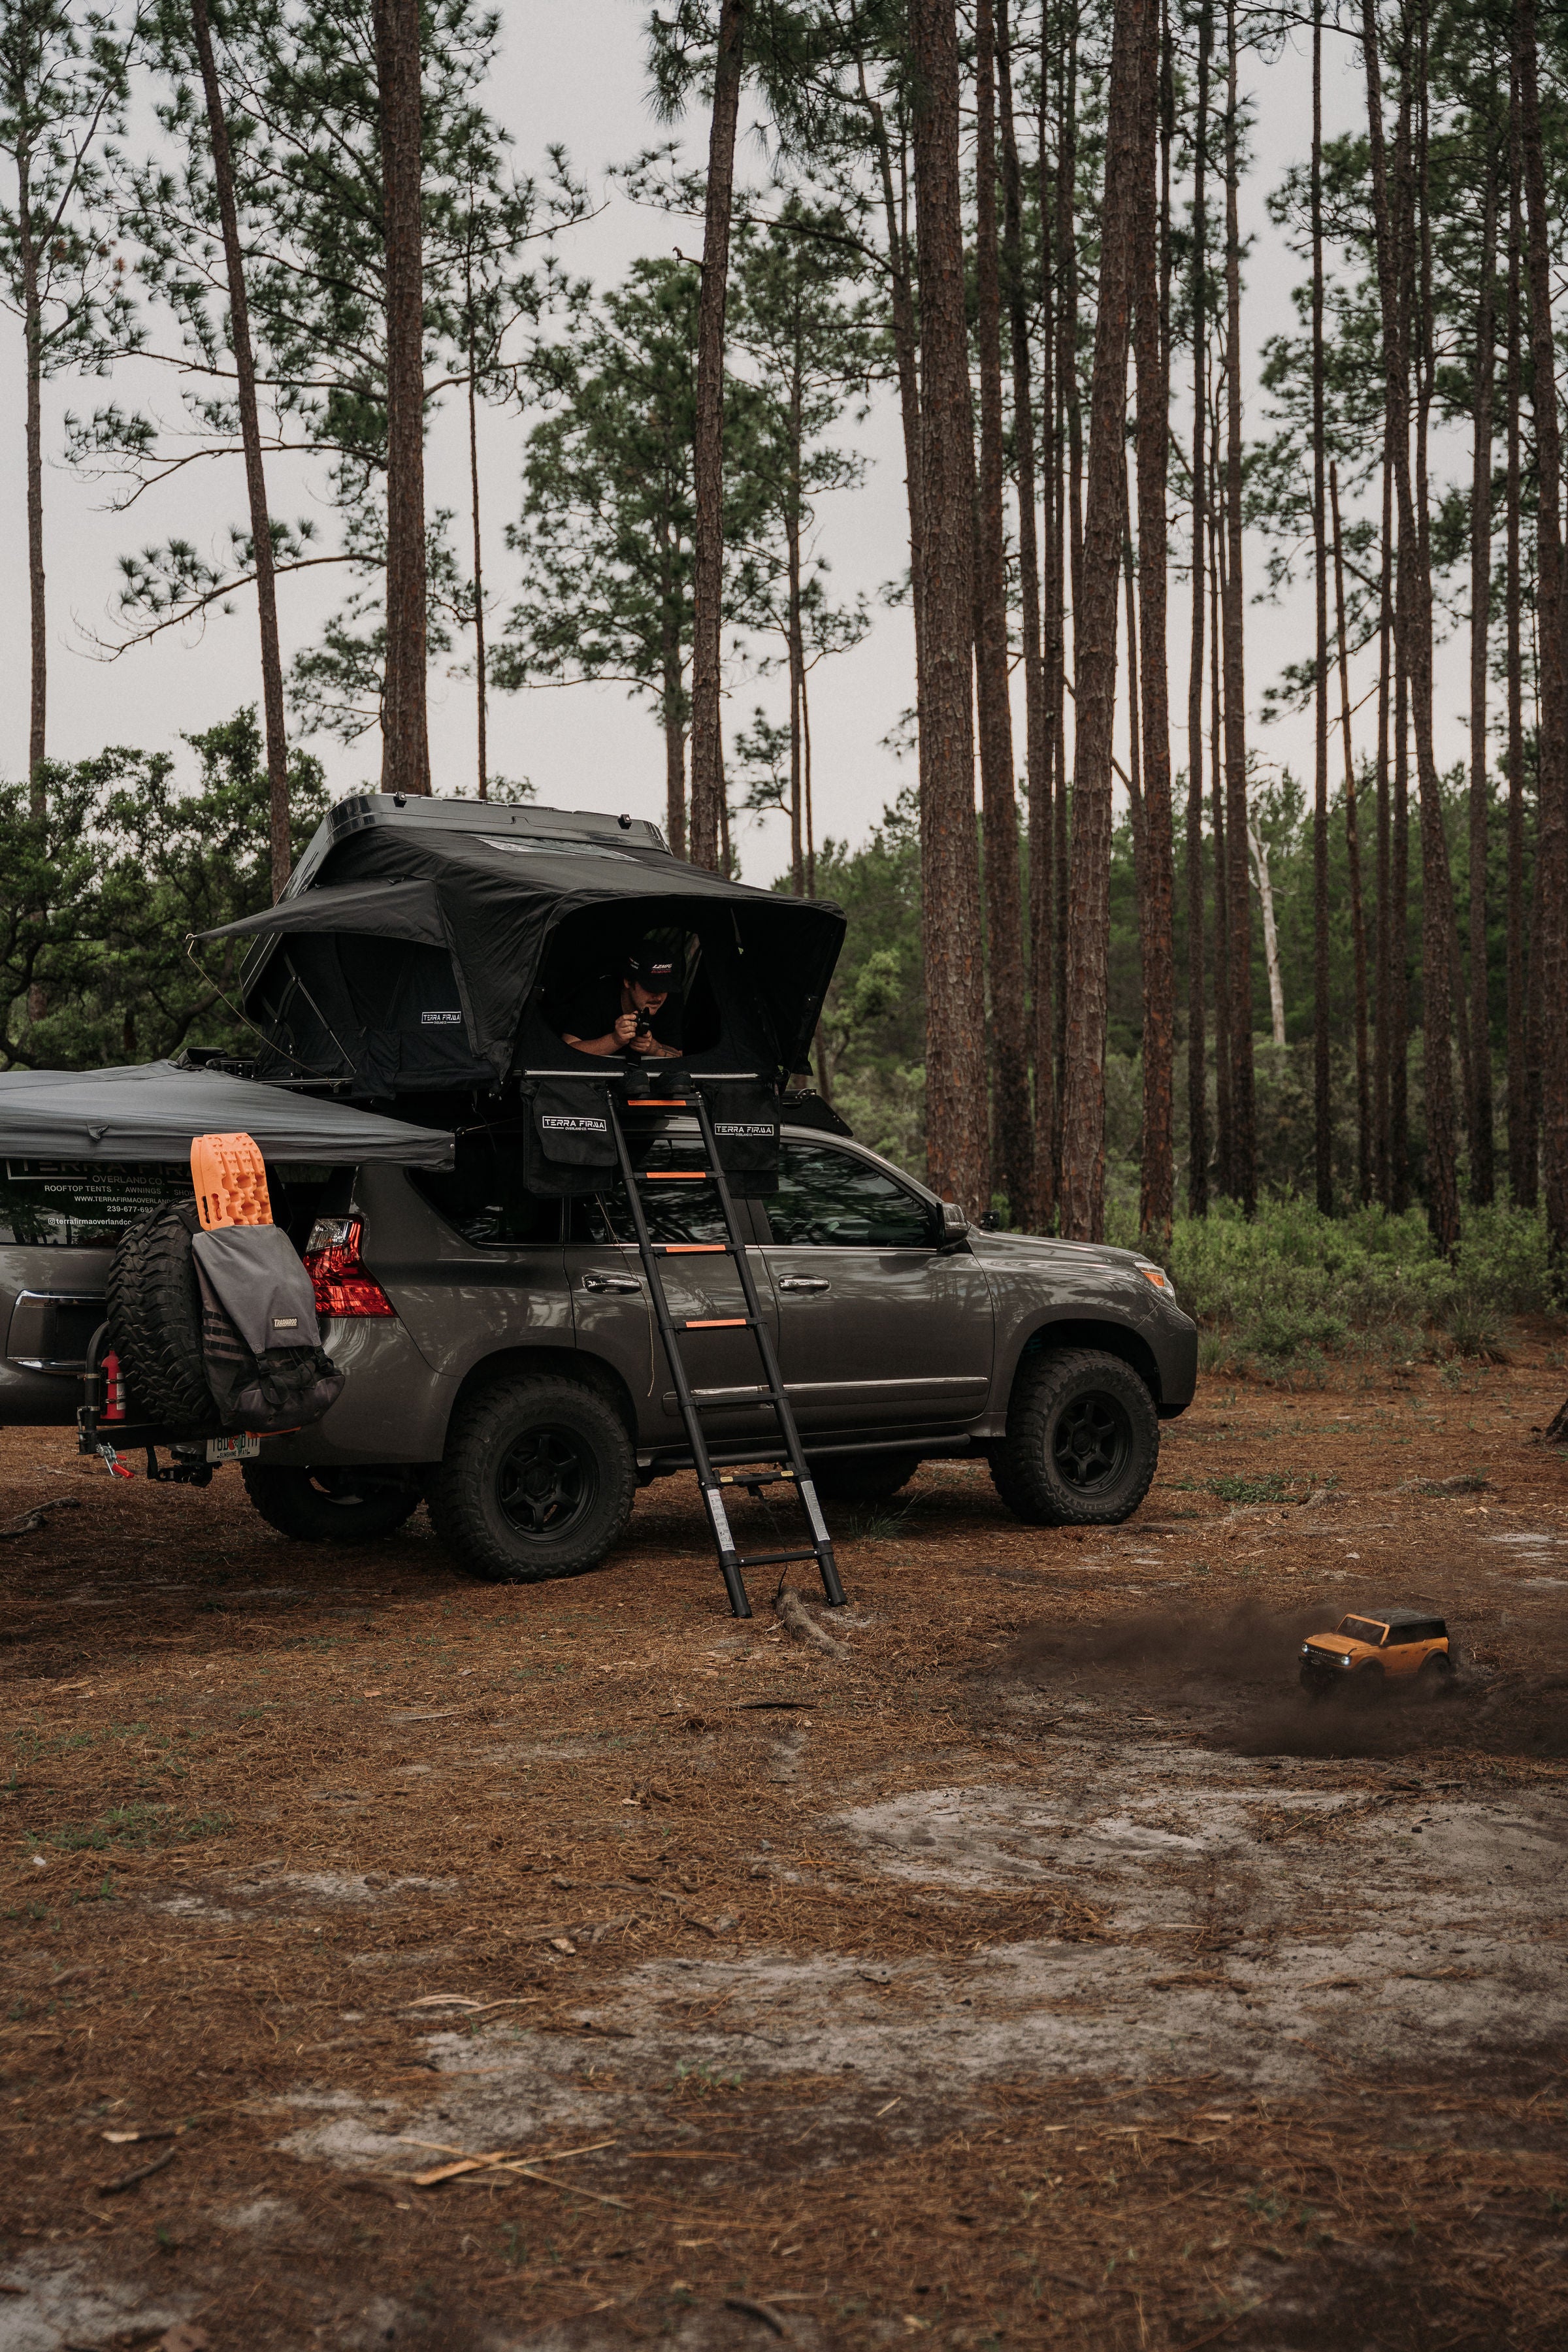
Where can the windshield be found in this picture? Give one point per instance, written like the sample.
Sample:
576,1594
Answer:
1364,1629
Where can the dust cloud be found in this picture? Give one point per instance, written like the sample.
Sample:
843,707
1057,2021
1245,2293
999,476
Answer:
1235,1671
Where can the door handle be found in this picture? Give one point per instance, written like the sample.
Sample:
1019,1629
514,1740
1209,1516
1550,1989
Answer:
609,1282
803,1282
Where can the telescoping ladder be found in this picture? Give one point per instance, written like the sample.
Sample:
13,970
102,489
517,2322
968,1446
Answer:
791,1469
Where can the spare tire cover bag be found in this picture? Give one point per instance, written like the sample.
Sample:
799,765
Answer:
569,1147
746,1131
264,1365
265,1292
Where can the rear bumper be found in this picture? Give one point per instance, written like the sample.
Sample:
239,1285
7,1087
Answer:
393,1407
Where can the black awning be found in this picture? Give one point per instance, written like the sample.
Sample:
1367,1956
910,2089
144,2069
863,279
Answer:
380,910
154,1110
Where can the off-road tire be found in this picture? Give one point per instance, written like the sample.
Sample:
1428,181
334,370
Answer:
328,1506
1367,1686
155,1318
1434,1676
861,1477
1082,1442
537,1480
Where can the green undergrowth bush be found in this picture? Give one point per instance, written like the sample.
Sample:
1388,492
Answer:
1290,1290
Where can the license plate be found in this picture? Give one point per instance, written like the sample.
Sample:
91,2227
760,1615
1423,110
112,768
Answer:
233,1449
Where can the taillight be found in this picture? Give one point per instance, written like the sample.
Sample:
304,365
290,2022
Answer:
332,1261
113,1389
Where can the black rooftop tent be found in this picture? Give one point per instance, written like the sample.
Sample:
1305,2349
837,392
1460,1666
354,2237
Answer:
424,946
154,1110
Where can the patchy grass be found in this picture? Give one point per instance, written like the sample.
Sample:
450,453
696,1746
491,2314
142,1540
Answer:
138,1826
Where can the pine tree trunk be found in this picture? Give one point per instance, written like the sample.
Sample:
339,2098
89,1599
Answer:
481,683
1271,935
1069,482
1094,636
1483,1177
1244,1115
32,340
805,780
1442,984
673,702
1383,1066
1521,1155
1041,1205
797,695
1134,776
1197,1076
255,474
906,355
1322,1106
1399,937
1151,234
406,747
956,1154
1353,859
1413,611
1222,990
1012,1165
1549,943
708,813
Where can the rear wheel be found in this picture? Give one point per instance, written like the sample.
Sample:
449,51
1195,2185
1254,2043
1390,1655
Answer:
1082,1443
862,1477
1436,1675
329,1504
537,1481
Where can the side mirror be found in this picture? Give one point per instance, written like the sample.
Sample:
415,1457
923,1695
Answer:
954,1222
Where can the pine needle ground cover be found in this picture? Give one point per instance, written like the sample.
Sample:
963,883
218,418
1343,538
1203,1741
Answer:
393,1961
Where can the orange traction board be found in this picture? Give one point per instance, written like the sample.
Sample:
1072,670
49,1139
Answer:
230,1179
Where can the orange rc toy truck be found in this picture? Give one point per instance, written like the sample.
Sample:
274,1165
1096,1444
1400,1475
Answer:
1364,1654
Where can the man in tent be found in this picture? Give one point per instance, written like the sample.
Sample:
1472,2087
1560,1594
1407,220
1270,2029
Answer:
635,1013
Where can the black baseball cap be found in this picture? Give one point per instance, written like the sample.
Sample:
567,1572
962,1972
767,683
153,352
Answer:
652,964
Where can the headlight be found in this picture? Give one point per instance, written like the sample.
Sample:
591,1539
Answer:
1157,1277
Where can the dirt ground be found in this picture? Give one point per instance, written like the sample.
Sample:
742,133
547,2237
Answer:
1037,1968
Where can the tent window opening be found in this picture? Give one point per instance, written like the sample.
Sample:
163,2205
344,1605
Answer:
586,959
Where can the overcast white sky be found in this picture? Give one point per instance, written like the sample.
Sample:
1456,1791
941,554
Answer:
572,70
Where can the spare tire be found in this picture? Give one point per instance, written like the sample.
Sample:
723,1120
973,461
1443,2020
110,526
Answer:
155,1318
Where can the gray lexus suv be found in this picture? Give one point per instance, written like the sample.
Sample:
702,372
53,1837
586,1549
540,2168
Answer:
504,1365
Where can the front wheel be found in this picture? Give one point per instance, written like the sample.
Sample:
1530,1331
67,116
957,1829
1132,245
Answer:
1082,1443
330,1506
537,1480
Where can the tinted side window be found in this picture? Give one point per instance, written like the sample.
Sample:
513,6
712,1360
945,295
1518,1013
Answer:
675,1211
71,1203
831,1198
481,1196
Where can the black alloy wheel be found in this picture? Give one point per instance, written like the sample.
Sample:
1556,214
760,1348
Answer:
547,1483
537,1480
1092,1441
1082,1442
